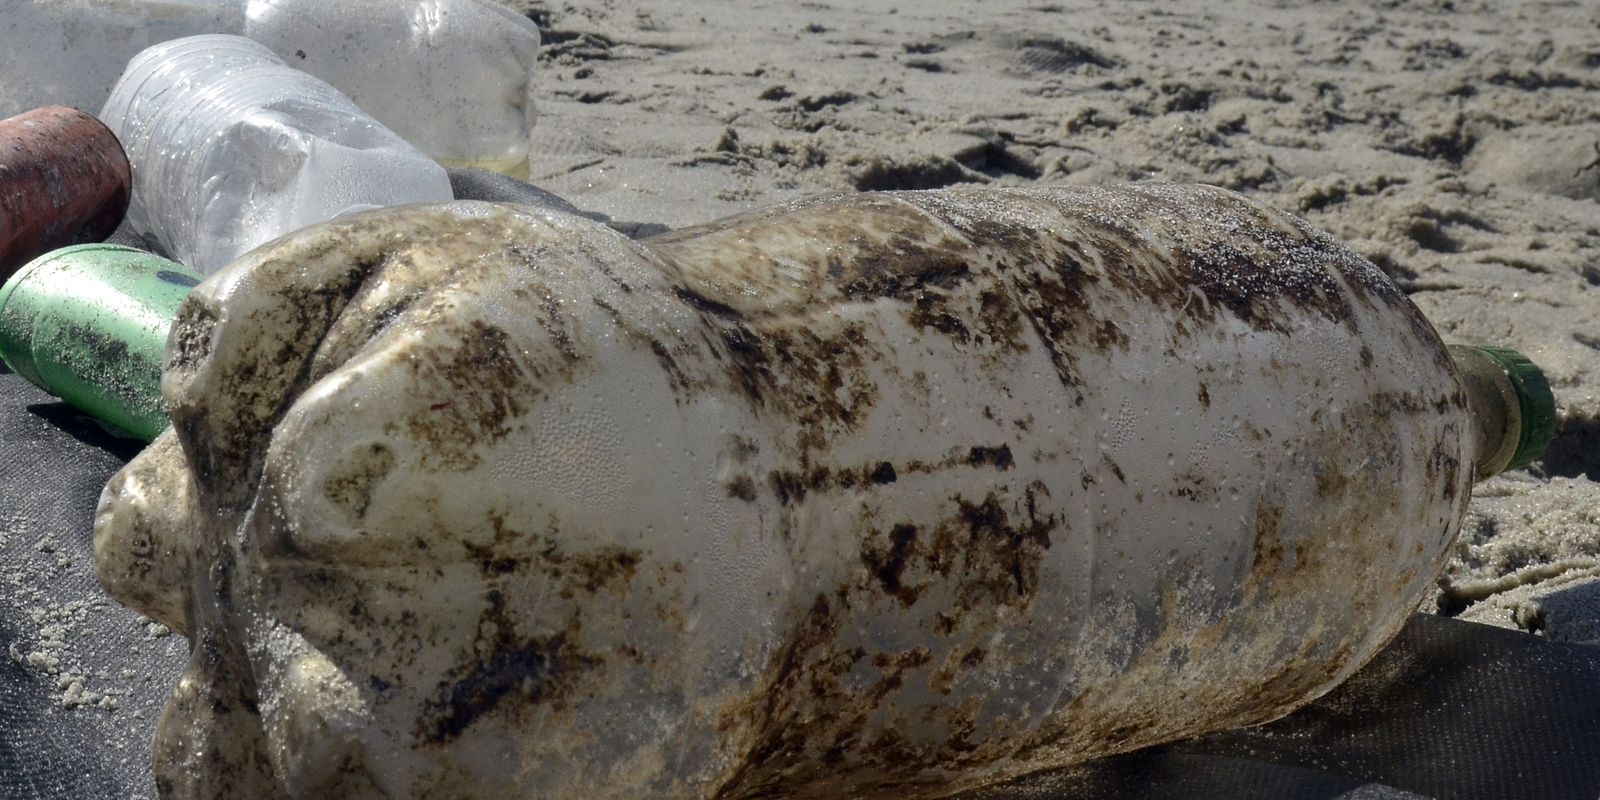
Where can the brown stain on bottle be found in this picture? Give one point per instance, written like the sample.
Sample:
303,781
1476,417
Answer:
989,552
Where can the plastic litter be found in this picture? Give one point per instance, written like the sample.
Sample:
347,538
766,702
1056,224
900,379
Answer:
232,148
453,77
64,180
89,325
961,485
70,52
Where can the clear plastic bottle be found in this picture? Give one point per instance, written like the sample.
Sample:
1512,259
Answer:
70,52
451,76
233,148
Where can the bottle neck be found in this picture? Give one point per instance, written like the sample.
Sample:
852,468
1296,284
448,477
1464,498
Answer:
1513,410
1496,412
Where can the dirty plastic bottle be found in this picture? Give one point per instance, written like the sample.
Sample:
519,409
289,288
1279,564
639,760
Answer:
70,52
860,495
453,77
232,148
89,325
64,180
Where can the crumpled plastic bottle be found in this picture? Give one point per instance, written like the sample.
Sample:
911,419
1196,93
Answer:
453,77
232,148
860,496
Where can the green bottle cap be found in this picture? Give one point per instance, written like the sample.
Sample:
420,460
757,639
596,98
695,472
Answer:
1534,400
89,325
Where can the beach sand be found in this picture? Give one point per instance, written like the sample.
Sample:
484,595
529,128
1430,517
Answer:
1456,144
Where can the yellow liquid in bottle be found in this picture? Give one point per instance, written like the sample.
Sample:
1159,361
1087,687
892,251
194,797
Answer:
514,166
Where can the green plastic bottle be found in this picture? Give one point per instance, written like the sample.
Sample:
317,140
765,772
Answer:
89,325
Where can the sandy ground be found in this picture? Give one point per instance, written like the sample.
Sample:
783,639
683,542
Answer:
1456,144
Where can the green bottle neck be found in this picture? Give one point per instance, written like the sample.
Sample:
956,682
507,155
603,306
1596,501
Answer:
1513,410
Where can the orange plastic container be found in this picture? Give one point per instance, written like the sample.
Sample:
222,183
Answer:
64,180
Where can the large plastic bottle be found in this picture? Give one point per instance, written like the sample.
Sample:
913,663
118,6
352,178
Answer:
453,77
870,495
232,148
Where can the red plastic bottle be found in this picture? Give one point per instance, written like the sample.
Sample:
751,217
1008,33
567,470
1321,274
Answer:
64,180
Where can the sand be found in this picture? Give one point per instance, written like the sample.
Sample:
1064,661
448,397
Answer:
1456,144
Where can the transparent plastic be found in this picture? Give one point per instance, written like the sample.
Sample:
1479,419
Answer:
451,76
232,148
70,52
